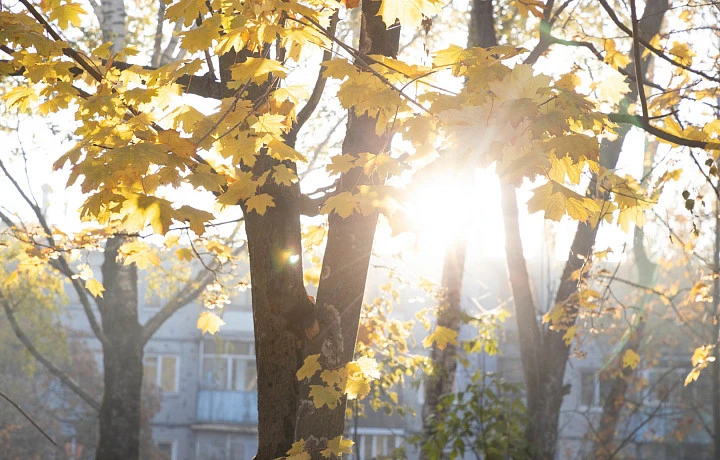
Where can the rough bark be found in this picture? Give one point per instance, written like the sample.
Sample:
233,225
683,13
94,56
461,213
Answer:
347,254
546,387
280,305
120,412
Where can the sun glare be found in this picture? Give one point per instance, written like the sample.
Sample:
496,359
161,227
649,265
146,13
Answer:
448,208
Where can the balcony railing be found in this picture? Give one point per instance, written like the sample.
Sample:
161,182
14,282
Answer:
227,406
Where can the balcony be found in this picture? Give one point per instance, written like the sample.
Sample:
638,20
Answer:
227,406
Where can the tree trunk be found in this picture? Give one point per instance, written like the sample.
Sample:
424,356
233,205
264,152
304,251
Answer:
444,361
112,23
120,411
546,348
280,307
347,255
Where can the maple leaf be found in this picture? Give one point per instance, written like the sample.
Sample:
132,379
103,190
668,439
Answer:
615,58
209,322
257,70
284,175
325,396
611,88
368,366
337,447
184,254
630,359
441,336
179,145
342,204
260,203
356,387
340,164
526,7
309,367
70,13
408,12
297,451
95,287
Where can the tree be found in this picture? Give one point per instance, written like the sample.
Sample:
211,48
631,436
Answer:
139,137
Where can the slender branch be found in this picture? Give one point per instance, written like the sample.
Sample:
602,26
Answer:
157,48
304,115
189,292
56,371
650,47
19,409
60,263
638,60
661,134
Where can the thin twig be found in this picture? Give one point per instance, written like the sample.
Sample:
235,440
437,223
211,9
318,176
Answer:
19,409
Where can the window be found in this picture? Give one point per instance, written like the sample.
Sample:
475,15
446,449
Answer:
221,446
164,450
587,388
372,446
162,371
228,365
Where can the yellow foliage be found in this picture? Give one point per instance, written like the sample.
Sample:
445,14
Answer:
209,322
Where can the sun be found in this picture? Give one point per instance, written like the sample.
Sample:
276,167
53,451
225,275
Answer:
446,208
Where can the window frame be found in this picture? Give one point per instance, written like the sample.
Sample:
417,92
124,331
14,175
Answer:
159,367
229,362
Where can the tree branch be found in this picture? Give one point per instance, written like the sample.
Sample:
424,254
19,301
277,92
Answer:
60,264
29,419
56,371
312,103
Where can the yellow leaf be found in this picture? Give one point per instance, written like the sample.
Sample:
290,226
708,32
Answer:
342,204
209,322
611,88
282,151
256,70
284,175
409,12
614,57
325,396
178,145
184,254
631,359
441,336
337,447
309,367
526,7
68,14
271,124
368,366
569,335
340,164
260,203
297,451
95,287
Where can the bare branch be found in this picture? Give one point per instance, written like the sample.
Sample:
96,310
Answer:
53,369
312,103
19,409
